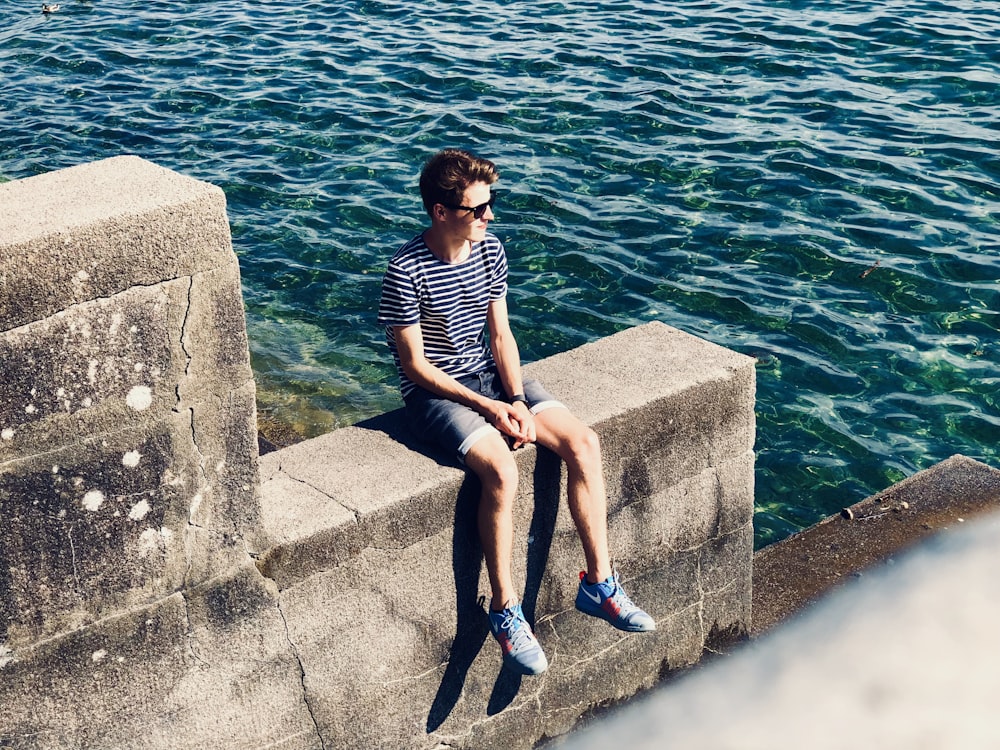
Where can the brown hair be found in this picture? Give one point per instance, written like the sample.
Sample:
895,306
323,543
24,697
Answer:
448,173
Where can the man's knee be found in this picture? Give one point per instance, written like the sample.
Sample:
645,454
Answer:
585,447
492,461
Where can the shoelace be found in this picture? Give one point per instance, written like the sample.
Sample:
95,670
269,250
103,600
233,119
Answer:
622,599
520,635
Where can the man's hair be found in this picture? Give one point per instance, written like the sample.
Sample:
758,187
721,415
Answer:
448,173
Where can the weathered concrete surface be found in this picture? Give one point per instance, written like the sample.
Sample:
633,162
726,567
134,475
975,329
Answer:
210,666
128,463
899,658
97,229
792,573
380,571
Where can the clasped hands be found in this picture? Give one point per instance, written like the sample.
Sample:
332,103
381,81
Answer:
514,421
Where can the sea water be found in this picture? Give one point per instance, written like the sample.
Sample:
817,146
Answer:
814,184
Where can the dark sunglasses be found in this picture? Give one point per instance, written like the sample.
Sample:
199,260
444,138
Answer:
477,211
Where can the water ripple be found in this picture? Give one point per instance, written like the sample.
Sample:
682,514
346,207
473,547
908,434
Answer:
817,186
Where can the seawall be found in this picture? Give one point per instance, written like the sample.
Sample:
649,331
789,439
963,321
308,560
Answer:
166,587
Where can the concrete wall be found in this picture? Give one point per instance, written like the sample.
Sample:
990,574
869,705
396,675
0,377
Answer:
128,468
174,610
375,543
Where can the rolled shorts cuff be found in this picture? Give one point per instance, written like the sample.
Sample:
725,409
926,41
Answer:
481,432
456,427
543,405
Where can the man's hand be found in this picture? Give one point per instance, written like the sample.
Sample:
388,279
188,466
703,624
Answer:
514,420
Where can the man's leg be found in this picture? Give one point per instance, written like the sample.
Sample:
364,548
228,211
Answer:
578,446
491,460
600,593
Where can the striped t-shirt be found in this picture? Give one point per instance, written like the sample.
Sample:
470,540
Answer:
448,300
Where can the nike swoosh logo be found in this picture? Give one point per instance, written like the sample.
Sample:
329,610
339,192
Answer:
595,598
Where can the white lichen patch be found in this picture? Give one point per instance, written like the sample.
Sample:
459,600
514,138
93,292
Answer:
139,510
81,276
6,656
30,409
7,433
139,398
55,468
131,459
139,367
153,540
116,322
87,402
195,505
98,656
93,500
92,371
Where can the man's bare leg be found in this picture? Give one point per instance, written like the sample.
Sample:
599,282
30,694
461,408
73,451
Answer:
491,460
578,446
601,594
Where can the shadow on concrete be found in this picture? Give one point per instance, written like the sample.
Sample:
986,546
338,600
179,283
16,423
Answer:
472,628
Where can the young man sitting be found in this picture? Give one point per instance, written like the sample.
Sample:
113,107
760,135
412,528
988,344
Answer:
442,291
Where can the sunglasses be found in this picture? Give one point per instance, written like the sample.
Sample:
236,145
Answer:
477,211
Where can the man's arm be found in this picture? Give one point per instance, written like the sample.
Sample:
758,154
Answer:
503,416
508,360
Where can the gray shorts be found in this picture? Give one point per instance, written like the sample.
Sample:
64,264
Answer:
454,426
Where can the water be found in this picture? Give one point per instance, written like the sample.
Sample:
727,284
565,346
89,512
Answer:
813,184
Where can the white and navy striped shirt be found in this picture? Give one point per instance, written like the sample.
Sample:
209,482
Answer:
448,300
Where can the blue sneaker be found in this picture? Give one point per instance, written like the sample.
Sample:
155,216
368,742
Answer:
521,650
607,600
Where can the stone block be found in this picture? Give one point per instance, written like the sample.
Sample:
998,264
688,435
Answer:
128,451
209,667
100,228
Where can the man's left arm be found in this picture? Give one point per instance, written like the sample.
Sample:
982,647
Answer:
508,360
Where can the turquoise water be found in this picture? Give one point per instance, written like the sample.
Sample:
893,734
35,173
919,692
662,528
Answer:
813,184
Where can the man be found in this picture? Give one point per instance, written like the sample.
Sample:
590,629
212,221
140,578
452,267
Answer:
442,291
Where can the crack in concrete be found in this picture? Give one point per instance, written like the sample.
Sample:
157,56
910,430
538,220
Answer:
302,673
701,599
532,702
357,514
414,678
189,628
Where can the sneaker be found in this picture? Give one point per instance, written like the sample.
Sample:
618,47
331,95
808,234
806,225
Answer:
521,651
607,600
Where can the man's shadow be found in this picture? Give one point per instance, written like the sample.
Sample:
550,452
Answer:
472,627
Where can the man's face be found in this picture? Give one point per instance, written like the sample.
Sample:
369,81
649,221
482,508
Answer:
466,222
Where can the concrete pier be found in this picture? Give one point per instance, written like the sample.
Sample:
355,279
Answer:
157,594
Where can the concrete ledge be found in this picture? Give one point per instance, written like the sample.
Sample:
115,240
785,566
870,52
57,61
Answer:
47,220
792,573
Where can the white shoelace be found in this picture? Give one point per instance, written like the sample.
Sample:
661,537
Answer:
520,635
